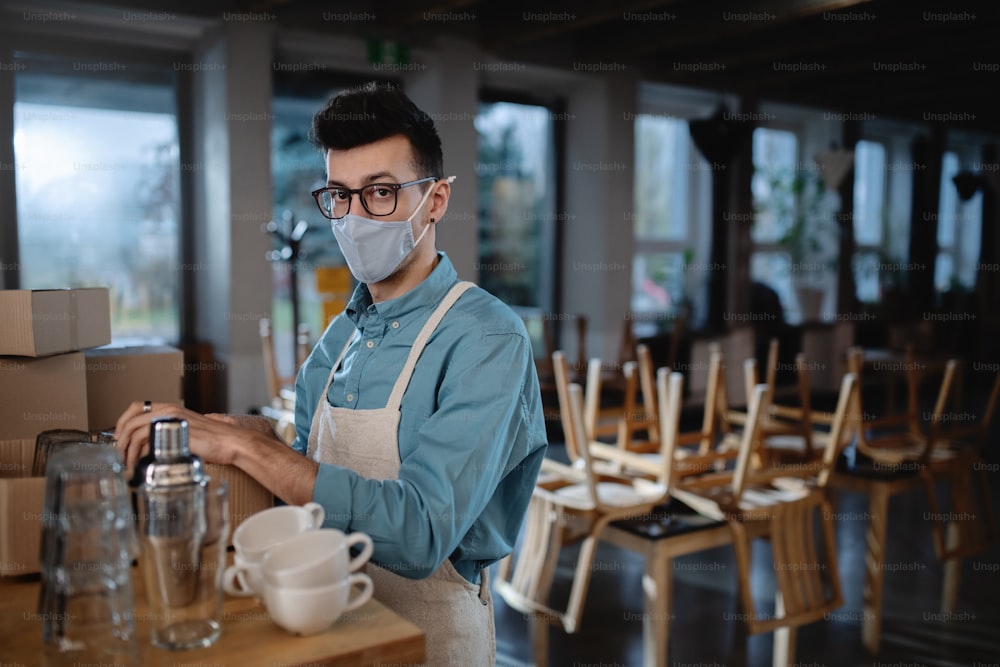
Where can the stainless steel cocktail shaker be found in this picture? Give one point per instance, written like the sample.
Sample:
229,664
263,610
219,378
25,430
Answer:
182,553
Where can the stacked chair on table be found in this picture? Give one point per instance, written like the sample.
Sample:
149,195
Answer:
902,445
938,453
788,433
783,508
571,503
610,483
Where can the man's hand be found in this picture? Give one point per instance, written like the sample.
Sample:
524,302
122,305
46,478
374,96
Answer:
244,441
209,437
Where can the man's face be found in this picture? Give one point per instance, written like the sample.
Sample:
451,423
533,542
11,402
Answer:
388,160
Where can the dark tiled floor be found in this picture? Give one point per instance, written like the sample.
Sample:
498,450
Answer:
703,632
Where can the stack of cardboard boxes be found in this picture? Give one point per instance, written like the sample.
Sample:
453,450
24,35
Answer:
54,374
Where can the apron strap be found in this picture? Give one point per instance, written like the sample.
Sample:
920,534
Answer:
457,290
333,369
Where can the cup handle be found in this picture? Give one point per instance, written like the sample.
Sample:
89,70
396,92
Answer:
364,594
317,512
230,578
366,550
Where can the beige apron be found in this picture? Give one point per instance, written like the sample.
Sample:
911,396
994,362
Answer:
455,615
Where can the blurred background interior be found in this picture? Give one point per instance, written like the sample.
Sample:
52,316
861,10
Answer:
824,173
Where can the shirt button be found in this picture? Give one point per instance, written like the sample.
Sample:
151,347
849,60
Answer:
350,398
395,325
370,344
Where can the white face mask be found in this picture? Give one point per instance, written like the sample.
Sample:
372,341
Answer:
375,249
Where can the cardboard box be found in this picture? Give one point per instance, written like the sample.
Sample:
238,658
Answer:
40,394
22,501
36,323
21,504
116,376
16,457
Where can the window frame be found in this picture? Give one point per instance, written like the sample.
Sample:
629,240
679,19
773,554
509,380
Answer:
556,105
24,47
686,105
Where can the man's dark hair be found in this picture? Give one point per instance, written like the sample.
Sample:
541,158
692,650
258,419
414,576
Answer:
374,111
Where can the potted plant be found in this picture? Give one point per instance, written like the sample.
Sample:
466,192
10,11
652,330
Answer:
811,242
803,210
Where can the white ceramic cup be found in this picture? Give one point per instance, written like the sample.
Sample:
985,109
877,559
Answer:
315,558
307,611
242,578
258,533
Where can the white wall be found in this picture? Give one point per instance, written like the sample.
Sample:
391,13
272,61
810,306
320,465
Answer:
597,266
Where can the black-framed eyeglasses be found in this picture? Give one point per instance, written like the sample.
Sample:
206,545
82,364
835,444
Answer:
379,199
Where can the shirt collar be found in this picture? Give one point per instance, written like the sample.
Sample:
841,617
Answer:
428,294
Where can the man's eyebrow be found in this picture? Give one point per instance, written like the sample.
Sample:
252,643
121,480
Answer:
370,178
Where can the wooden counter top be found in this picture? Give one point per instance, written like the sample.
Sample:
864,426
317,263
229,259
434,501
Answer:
368,635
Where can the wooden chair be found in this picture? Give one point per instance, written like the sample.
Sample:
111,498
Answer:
970,489
782,507
638,410
692,452
280,388
941,454
788,432
569,504
898,456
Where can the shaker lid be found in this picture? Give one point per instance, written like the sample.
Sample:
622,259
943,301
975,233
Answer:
169,438
170,462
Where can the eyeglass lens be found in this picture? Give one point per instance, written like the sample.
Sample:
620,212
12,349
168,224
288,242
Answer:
377,200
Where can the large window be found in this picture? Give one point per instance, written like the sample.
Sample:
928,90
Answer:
959,231
794,230
870,220
517,202
671,181
297,169
775,159
97,177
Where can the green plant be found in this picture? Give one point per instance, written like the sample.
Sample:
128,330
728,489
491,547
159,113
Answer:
804,211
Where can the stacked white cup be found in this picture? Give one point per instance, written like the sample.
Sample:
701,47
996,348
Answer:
304,574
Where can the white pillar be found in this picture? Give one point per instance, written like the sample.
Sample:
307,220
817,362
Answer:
598,244
232,93
448,90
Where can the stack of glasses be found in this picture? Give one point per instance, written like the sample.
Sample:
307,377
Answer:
87,599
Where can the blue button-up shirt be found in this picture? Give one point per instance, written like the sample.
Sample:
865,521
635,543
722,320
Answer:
471,431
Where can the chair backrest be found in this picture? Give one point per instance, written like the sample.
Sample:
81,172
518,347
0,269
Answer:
577,434
757,408
560,370
982,428
637,415
910,419
647,386
670,396
845,426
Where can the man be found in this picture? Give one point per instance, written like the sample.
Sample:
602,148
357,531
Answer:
418,414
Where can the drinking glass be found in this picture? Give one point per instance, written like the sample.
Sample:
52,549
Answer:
48,442
87,601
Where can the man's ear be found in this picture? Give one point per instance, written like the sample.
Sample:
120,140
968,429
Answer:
439,202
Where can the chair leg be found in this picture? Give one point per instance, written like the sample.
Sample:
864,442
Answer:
783,654
952,573
581,582
539,628
741,548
